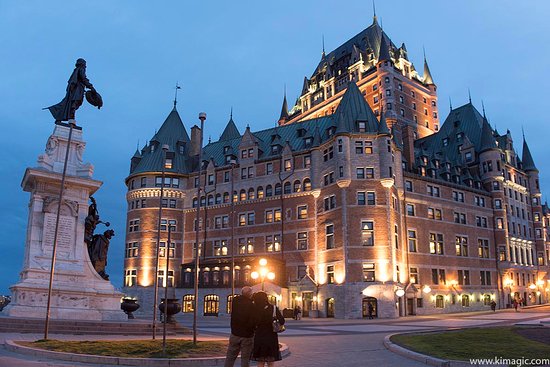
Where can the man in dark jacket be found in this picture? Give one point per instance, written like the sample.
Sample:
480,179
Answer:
242,329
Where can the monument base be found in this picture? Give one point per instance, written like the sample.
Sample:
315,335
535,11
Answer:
78,292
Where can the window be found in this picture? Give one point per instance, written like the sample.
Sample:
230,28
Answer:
273,243
458,196
367,233
369,172
500,223
479,201
330,274
164,222
250,218
485,277
211,179
307,161
413,275
162,249
464,277
369,272
438,276
132,249
433,190
220,248
410,210
461,245
436,243
287,165
242,220
133,225
412,240
328,154
307,185
329,233
268,168
328,178
130,277
143,182
360,173
483,248
363,147
460,218
330,202
302,212
465,300
361,198
439,301
481,221
301,243
409,186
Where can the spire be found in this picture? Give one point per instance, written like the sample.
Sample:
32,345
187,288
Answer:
450,103
230,131
284,110
527,158
469,96
305,87
384,52
383,126
323,54
427,74
488,141
374,19
483,109
176,95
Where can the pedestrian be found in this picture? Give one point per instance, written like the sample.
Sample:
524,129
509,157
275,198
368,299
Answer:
516,305
242,329
493,306
295,313
266,341
370,311
298,313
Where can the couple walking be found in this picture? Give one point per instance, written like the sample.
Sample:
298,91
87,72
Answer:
252,330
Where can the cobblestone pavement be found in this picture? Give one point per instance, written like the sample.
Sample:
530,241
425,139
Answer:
318,342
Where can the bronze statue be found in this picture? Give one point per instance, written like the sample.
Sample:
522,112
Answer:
91,221
65,110
100,247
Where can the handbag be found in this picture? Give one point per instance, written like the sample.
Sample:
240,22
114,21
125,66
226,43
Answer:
277,326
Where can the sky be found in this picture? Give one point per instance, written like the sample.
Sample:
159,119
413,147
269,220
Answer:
239,55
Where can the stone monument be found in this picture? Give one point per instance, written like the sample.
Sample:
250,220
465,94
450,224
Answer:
78,291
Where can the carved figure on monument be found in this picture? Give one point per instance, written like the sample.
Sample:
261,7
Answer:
65,110
100,248
90,223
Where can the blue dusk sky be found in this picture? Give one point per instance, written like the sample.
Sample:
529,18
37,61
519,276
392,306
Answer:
237,54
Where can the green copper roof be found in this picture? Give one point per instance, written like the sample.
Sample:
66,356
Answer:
527,158
427,74
352,108
230,131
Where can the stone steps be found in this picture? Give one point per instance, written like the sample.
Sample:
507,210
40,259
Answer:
132,327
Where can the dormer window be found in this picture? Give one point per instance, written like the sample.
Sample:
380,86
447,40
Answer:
308,142
301,132
331,130
459,136
226,149
448,166
445,142
274,149
152,148
182,149
362,126
437,164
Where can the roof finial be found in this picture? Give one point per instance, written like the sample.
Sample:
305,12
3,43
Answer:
209,139
285,89
176,95
323,36
424,52
450,103
522,132
373,12
483,109
469,96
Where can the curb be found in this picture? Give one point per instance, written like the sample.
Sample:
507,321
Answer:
429,360
123,361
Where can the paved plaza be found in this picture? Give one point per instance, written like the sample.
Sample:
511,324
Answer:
320,342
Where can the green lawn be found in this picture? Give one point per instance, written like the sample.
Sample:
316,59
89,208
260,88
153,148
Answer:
502,342
134,348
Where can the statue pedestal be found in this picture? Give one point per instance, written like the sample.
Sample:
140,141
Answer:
79,293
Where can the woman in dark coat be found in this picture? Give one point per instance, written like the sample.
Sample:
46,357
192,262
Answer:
266,341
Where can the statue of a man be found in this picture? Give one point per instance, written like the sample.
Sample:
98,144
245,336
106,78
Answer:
99,252
65,110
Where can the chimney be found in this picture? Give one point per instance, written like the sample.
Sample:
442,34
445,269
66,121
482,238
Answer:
195,141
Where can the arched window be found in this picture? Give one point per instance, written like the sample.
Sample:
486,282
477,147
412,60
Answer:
465,300
235,196
307,184
211,305
243,195
278,189
246,274
216,276
188,303
203,200
225,275
218,198
297,187
268,191
260,192
226,197
238,278
210,199
195,202
251,194
287,188
206,276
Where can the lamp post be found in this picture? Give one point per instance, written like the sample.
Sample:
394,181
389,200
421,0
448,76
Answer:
167,254
202,117
232,244
165,148
72,125
263,273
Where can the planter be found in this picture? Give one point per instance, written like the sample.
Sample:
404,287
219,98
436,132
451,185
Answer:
129,305
173,308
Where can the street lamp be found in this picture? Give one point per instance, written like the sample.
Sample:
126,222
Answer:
165,148
263,273
202,117
233,162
